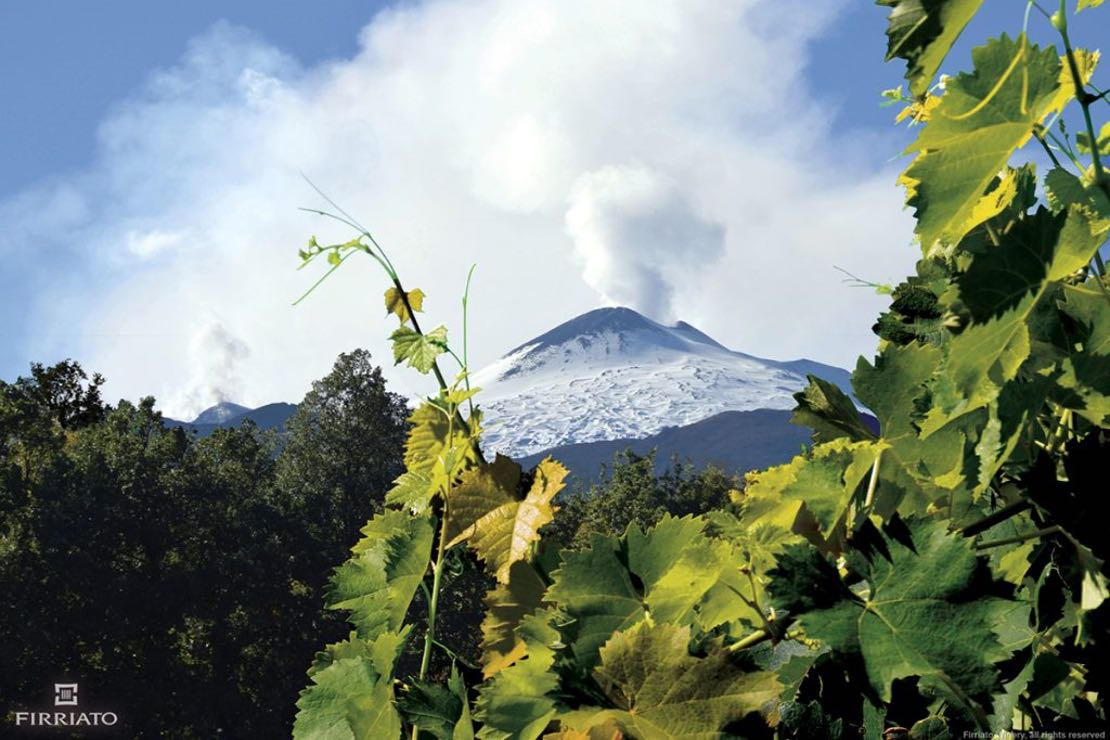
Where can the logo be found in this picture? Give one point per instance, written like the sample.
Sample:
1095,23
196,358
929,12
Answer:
65,695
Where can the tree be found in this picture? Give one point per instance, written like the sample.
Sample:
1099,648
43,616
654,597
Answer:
64,392
343,450
631,492
170,575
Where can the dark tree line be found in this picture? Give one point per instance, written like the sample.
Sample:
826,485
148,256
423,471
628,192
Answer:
179,580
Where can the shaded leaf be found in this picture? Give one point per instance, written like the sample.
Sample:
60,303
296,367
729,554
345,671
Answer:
914,597
517,703
825,409
506,605
922,32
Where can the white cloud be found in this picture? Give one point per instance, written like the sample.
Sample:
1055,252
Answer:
149,243
565,146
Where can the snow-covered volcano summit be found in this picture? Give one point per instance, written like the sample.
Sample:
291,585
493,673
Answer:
613,373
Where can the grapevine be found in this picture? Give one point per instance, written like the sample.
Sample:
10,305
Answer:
942,575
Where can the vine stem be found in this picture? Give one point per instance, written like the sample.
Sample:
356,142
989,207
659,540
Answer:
433,602
874,482
1048,150
1085,100
996,517
1054,529
977,712
754,638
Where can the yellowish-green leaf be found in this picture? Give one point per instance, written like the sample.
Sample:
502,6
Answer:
982,119
660,691
418,350
810,495
1063,189
395,304
500,523
435,442
1083,141
412,491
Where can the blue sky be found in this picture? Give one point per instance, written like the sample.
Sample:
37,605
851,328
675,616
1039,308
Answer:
151,157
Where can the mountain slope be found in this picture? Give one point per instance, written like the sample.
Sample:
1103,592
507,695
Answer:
736,441
613,374
226,415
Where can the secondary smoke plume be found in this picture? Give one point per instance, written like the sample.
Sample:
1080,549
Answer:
214,355
637,236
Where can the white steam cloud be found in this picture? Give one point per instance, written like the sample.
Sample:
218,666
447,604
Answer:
215,355
665,154
636,235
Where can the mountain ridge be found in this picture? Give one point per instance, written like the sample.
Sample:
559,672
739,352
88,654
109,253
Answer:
612,373
612,378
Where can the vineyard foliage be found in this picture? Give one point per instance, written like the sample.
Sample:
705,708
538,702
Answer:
942,575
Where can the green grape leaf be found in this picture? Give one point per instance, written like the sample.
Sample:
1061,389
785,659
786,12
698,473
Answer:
506,605
1083,141
396,305
464,726
377,583
678,567
825,409
436,446
442,711
804,580
1064,189
418,350
662,692
487,510
922,32
915,596
431,707
809,720
915,471
982,119
1086,371
1000,277
347,700
594,587
1001,290
673,572
930,728
915,313
516,704
351,693
412,491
